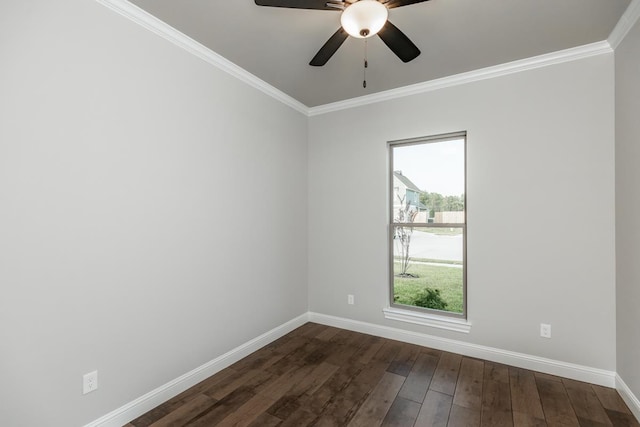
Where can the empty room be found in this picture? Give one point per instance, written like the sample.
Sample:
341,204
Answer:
327,213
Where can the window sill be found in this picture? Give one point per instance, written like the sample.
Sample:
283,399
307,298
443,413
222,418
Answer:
435,321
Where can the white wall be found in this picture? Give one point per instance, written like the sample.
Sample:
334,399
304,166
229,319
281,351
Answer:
540,207
130,177
628,208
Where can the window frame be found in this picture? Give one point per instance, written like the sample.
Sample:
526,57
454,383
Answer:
408,310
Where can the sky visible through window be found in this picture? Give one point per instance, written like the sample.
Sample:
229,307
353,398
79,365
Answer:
434,168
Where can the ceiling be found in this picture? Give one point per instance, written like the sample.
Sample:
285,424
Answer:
455,36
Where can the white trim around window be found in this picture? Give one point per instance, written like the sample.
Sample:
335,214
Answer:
426,319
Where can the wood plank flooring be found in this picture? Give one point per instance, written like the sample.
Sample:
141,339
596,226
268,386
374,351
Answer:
323,376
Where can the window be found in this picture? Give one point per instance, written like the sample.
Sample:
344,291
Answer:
427,230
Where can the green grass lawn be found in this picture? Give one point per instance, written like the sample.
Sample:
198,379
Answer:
447,279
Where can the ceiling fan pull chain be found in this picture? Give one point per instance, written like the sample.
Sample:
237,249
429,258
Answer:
366,65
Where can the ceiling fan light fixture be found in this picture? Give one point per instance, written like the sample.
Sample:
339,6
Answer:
364,18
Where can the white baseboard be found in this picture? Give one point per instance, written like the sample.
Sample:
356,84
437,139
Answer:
629,398
143,404
534,363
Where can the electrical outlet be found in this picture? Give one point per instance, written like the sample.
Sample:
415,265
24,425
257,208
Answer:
545,330
350,299
89,382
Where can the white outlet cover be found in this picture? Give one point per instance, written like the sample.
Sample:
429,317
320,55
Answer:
545,330
350,299
89,382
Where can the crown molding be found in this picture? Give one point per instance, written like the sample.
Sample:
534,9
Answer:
558,57
626,22
153,24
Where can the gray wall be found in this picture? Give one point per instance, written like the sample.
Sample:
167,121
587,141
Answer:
628,208
540,207
152,211
132,175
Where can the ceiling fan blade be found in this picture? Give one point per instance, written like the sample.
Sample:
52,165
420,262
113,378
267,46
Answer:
398,3
398,42
301,4
329,48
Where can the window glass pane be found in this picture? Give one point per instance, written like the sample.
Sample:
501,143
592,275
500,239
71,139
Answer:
428,267
428,182
429,225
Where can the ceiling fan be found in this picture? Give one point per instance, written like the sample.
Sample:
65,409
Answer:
361,19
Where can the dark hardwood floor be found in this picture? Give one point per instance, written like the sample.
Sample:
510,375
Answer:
322,376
